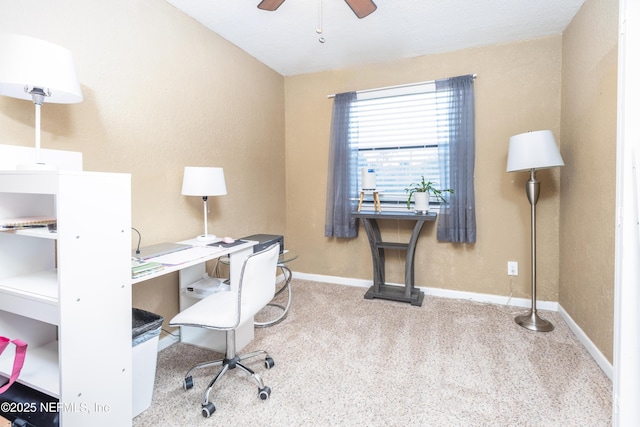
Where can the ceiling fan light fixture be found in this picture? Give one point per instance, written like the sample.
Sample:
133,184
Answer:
270,5
362,8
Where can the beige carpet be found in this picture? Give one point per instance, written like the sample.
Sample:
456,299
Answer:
342,360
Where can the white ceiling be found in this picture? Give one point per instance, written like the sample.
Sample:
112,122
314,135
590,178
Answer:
286,39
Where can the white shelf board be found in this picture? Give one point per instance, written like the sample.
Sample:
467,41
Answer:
40,370
41,232
39,286
32,295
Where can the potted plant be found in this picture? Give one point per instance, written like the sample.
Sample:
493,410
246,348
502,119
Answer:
422,190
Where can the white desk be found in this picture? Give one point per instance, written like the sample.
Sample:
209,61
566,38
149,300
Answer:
191,271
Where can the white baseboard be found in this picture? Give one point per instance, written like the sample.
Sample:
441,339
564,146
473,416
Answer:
597,356
167,341
444,293
595,353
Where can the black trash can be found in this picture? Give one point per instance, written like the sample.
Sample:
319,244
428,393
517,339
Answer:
145,334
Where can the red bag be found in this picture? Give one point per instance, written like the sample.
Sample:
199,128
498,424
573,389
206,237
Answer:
18,361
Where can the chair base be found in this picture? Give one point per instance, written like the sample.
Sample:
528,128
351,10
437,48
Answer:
258,271
264,392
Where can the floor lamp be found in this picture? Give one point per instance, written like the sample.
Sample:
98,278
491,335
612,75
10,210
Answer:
39,71
529,152
204,182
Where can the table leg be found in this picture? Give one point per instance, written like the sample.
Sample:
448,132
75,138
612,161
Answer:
377,254
409,274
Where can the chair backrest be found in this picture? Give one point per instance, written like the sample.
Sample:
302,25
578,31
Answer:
257,281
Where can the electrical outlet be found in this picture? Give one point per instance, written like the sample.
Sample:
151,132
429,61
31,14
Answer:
512,268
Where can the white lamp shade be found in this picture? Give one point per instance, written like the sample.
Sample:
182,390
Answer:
203,181
26,61
533,150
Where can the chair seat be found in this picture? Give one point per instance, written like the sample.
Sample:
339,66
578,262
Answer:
214,312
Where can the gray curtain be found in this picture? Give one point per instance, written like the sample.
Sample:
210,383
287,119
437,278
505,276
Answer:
456,151
341,173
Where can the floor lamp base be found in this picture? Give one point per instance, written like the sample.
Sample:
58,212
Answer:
534,322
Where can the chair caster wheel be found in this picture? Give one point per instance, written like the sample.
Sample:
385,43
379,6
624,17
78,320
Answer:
208,409
264,392
269,362
188,383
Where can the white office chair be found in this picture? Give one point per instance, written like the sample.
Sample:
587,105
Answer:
226,311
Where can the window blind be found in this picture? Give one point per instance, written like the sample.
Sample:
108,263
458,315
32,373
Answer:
395,132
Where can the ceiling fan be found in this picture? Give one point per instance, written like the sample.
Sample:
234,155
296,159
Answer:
361,8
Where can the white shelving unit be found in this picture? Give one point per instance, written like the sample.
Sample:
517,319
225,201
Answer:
68,293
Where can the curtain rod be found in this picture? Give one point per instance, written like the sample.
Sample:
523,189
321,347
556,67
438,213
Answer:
393,87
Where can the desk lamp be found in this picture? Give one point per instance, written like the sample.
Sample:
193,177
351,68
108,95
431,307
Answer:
40,71
529,152
203,182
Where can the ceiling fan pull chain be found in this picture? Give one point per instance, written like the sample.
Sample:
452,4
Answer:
319,28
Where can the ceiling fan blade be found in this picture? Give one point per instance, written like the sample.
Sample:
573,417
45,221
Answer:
362,8
270,5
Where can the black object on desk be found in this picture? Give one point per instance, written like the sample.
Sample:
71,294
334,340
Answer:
380,289
266,240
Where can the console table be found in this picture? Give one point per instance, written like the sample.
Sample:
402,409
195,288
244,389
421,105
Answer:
380,289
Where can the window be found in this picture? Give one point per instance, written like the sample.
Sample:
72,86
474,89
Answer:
395,132
403,135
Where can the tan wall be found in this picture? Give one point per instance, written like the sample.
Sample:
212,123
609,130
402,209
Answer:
517,90
588,205
161,92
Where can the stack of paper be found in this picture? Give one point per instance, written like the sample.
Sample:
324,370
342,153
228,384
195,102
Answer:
143,268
